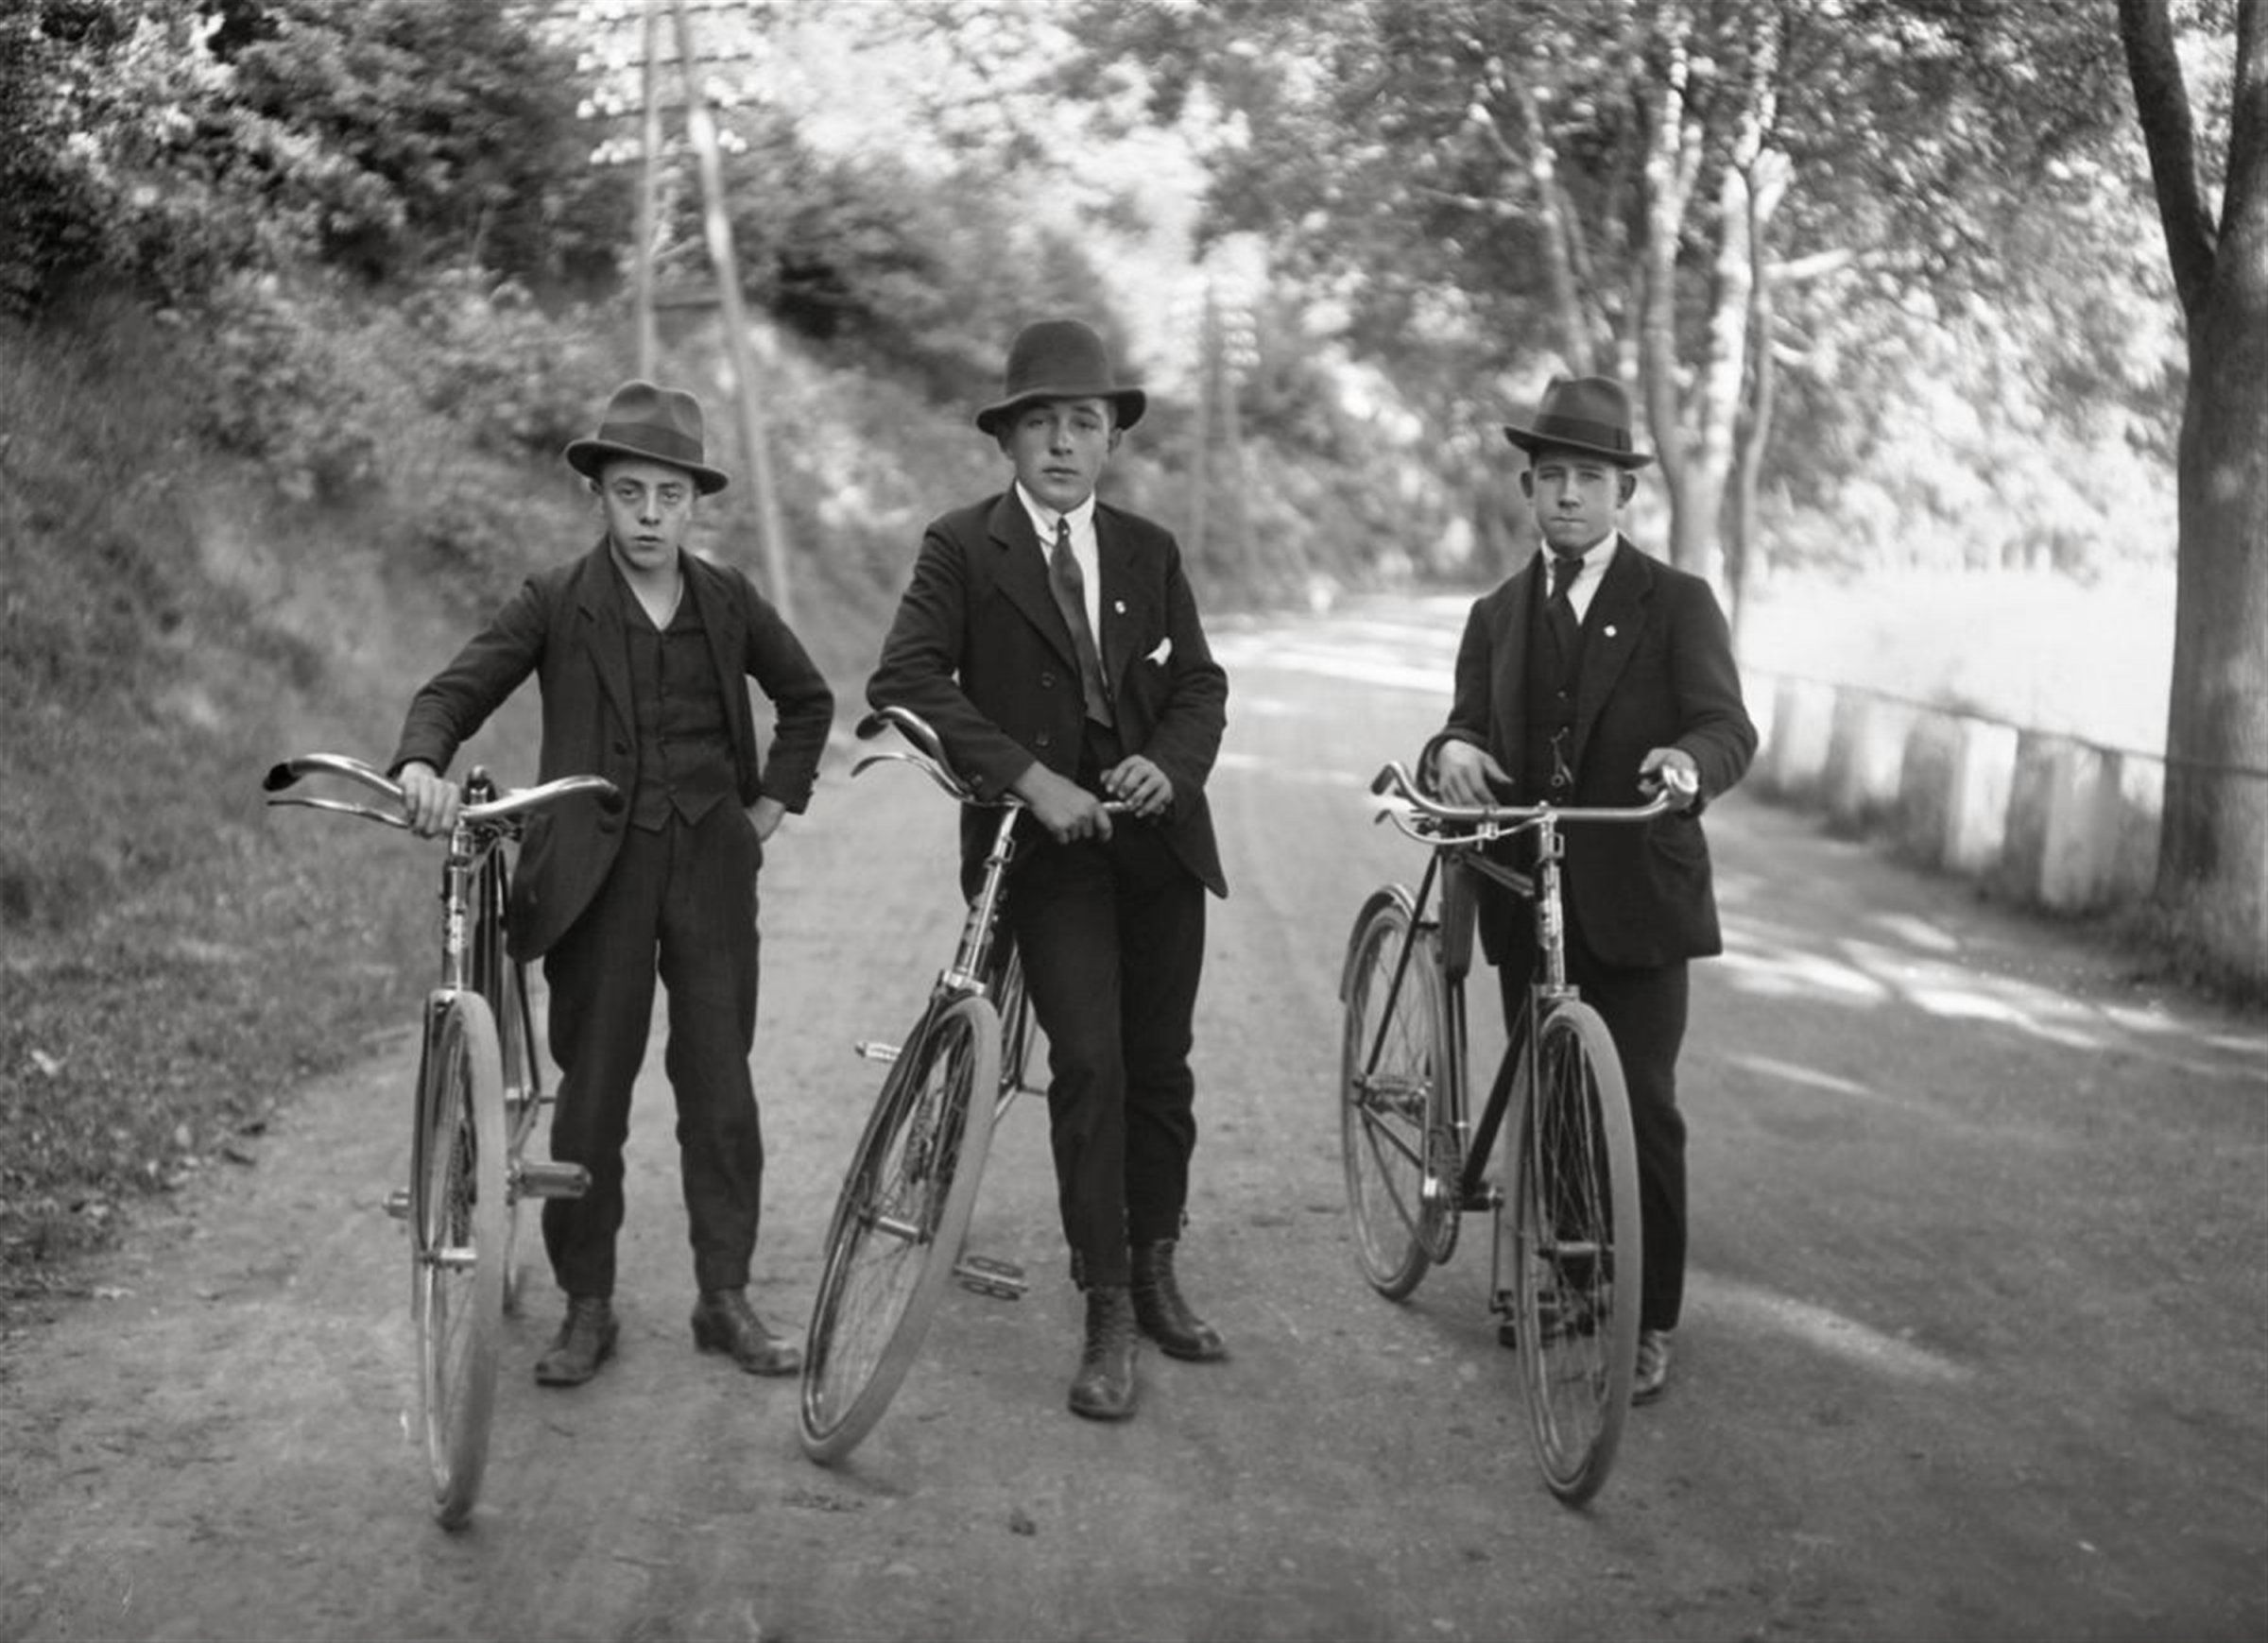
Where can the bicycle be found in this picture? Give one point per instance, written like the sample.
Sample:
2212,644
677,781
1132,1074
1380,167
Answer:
901,1221
1415,1162
479,1095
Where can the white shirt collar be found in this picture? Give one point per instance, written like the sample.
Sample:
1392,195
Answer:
1043,517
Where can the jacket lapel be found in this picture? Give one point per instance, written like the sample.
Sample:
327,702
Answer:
1022,576
1611,630
599,598
722,621
1130,592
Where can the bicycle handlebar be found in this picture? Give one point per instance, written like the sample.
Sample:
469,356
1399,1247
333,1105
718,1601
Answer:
1403,795
931,759
504,809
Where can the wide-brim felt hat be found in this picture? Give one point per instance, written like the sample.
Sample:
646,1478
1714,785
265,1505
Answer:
1060,359
1586,414
654,423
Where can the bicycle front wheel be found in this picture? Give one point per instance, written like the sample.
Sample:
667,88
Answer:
1578,1259
898,1224
458,1218
1392,1062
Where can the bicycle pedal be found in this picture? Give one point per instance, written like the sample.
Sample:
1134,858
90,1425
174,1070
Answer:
1003,1280
397,1203
867,1050
539,1179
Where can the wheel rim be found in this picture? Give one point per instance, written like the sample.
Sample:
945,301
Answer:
898,1226
1578,1261
1387,1100
459,1257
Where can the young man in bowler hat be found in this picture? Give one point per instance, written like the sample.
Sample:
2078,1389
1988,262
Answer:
643,653
1052,643
1592,688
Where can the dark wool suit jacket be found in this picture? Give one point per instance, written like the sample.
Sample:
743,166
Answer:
567,626
979,649
1658,670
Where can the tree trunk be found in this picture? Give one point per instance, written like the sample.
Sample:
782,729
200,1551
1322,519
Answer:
2213,863
2212,870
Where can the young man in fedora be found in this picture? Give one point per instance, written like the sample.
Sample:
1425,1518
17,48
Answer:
1592,689
1052,643
643,653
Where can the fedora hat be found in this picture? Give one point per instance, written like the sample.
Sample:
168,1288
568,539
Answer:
1060,359
657,424
1587,414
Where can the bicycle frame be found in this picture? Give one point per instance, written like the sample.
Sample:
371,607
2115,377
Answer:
1465,850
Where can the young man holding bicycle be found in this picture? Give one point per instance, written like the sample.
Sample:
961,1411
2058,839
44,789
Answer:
1580,692
643,653
1054,644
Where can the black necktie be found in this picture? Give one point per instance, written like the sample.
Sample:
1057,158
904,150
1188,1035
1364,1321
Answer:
1070,598
1560,611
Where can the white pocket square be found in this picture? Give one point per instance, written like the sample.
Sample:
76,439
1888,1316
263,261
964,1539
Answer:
1165,648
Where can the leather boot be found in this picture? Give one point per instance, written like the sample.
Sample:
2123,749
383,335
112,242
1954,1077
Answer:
1104,1388
724,1321
585,1341
1163,1315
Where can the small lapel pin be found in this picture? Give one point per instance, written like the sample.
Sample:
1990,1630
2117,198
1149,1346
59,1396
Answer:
1119,605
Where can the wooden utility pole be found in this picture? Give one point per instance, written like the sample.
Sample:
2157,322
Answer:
700,129
649,189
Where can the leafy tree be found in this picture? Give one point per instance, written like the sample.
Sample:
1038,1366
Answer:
2212,874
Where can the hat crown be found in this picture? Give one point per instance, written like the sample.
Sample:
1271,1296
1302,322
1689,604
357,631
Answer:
1060,359
1589,414
657,423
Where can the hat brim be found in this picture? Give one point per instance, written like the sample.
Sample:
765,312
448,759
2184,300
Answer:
1131,402
588,457
1531,442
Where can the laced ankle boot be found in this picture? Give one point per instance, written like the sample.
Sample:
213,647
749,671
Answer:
1104,1388
1161,1312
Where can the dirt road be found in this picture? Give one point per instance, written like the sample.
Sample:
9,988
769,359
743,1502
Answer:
1974,1345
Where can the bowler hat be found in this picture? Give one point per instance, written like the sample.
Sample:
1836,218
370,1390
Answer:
659,425
1587,414
1060,359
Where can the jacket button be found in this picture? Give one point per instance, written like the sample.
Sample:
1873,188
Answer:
1044,739
1047,681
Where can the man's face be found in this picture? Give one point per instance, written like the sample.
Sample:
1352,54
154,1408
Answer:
648,507
1059,448
1575,496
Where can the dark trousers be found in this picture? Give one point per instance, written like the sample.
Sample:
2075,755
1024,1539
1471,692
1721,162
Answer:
679,905
1113,937
1645,1013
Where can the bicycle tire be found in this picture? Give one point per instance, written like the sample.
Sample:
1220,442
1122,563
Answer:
522,1108
457,1218
1391,1094
898,1224
503,981
1578,1256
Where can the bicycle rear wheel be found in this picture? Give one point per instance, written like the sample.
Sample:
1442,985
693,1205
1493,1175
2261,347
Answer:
1392,1059
898,1224
503,982
457,1218
1577,1253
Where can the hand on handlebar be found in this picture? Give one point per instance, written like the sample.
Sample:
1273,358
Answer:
1672,769
1463,774
429,800
1066,810
1139,785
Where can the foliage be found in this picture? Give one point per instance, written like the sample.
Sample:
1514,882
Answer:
457,132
